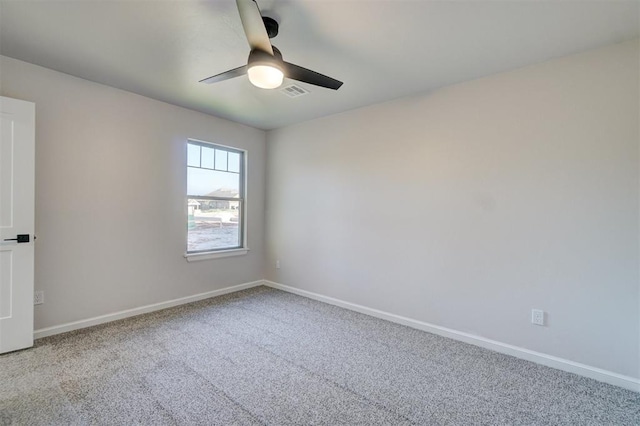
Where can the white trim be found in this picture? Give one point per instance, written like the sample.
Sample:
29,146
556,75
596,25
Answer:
89,322
234,148
599,374
194,257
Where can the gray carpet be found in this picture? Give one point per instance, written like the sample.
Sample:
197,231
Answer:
263,356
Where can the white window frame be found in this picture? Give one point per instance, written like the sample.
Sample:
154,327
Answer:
224,252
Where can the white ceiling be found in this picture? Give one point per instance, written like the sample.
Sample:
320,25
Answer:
381,50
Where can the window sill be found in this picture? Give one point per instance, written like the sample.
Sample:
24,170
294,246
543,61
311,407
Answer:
194,257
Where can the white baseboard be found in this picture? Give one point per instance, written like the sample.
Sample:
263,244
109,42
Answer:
89,322
599,374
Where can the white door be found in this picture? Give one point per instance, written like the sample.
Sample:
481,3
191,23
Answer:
17,182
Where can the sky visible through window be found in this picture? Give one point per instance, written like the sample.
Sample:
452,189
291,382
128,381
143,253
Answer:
211,169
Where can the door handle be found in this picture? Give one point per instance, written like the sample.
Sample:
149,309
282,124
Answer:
21,238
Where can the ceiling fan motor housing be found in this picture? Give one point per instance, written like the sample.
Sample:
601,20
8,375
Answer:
258,56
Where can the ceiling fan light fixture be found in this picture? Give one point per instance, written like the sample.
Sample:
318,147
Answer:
264,69
265,76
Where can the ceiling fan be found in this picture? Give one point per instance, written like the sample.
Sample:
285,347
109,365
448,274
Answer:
265,67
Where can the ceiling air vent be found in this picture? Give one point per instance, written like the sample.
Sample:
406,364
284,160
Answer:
294,91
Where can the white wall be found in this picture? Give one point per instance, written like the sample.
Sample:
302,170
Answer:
110,196
470,206
464,208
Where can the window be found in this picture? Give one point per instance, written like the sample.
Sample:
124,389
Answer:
215,198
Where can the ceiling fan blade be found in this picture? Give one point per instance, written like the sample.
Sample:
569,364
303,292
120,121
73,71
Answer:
254,26
296,72
236,72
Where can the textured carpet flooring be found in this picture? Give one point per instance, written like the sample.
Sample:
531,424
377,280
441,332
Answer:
263,356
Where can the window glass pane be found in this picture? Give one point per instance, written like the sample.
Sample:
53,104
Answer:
193,155
207,157
214,172
221,159
213,224
212,183
234,162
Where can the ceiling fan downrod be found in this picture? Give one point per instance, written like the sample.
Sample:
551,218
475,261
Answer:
271,25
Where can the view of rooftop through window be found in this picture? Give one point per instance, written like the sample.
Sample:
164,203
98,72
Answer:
215,197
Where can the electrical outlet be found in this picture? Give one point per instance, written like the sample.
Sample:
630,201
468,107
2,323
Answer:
537,317
277,264
38,297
